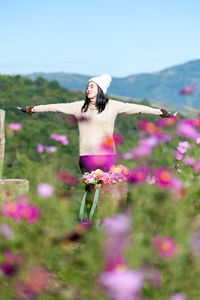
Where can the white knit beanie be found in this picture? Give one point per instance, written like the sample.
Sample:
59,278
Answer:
102,81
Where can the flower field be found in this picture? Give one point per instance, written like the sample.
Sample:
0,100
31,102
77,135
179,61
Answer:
144,239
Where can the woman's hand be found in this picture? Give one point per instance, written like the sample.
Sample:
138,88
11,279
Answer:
166,114
29,109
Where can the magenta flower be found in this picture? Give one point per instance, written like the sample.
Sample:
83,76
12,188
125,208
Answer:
166,247
11,263
178,296
187,90
20,210
45,190
66,177
118,139
15,126
167,121
183,147
164,177
139,175
122,285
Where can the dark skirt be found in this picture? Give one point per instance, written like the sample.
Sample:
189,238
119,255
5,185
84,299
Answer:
88,163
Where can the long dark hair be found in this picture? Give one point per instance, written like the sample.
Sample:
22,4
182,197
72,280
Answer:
101,101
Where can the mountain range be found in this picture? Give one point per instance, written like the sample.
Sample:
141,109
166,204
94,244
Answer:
160,88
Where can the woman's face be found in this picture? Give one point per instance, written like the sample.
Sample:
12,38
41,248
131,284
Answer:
92,90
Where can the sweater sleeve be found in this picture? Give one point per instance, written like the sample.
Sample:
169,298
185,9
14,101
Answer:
132,108
70,108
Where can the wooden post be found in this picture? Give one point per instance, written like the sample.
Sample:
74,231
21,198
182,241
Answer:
9,188
2,140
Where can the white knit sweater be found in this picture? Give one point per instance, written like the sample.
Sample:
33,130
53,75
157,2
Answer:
93,131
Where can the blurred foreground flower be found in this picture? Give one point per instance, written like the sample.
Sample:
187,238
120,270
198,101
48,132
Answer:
36,281
12,263
20,210
164,177
45,190
165,246
66,177
122,284
15,126
139,175
178,296
183,147
188,131
195,244
7,231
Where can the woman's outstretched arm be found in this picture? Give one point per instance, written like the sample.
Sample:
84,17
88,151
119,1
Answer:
67,108
132,108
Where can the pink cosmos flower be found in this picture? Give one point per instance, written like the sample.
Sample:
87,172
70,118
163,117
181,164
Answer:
183,147
189,161
122,285
60,138
15,126
40,148
196,166
187,131
151,179
7,231
164,177
165,246
145,147
178,296
19,211
51,149
48,149
179,156
45,190
150,128
139,175
167,121
198,141
117,224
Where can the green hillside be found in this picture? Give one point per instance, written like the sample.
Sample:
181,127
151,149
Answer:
160,87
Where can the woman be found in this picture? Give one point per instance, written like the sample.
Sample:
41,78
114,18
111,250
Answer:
96,117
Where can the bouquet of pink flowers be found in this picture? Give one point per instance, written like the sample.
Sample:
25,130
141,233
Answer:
116,174
96,178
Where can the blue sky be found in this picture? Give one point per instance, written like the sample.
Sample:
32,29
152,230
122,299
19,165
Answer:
94,37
